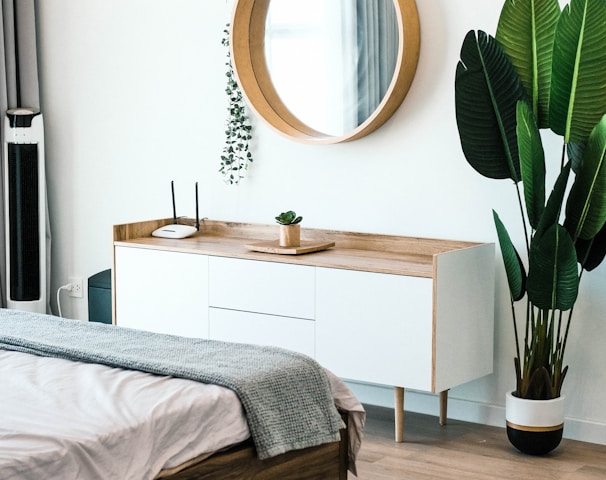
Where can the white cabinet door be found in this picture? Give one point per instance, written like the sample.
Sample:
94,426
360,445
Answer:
162,291
262,287
246,327
374,327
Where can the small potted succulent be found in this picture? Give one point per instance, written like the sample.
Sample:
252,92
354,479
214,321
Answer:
290,229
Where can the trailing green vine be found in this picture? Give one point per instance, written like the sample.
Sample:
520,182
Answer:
236,156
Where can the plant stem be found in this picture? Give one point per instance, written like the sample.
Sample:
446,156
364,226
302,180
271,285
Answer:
523,217
515,329
566,333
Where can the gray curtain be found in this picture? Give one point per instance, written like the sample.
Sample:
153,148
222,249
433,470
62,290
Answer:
18,88
377,53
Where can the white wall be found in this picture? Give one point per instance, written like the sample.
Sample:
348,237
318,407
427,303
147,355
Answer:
133,97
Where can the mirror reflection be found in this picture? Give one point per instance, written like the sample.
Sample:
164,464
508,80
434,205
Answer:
331,61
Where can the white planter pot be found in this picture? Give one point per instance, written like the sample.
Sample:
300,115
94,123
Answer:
534,426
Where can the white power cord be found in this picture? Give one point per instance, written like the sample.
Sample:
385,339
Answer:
68,287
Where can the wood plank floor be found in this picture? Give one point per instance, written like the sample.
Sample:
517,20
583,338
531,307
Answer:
463,450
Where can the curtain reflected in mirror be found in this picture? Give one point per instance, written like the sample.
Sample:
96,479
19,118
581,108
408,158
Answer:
331,61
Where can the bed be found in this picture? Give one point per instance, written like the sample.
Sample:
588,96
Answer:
84,400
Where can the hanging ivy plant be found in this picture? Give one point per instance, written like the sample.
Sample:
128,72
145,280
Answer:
236,156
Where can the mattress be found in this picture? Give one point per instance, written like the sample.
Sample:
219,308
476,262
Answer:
74,420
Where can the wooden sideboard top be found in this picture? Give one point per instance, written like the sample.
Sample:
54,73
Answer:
391,254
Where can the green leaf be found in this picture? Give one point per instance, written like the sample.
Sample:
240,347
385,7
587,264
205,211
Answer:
487,89
539,385
578,90
553,209
553,279
526,30
514,268
586,206
532,163
591,253
288,218
575,152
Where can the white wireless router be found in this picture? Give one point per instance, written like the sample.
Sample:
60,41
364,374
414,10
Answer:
176,230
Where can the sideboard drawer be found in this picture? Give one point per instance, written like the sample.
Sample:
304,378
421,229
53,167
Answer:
262,287
246,327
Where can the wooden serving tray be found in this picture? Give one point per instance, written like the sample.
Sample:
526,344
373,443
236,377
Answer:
273,246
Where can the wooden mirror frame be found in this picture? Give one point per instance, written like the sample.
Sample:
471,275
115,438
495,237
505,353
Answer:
248,57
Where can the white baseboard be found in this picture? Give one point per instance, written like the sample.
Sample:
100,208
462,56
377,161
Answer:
469,411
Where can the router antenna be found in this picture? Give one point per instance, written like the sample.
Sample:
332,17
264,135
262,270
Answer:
172,187
177,230
197,214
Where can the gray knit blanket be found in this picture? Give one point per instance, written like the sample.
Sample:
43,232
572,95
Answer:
286,396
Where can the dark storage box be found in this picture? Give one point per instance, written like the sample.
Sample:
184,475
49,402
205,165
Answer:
100,297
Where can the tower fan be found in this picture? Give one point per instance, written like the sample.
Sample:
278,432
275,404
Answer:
25,210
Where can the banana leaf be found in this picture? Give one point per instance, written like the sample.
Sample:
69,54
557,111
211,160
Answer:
514,268
553,209
487,89
553,279
526,31
532,163
578,91
586,206
591,253
575,152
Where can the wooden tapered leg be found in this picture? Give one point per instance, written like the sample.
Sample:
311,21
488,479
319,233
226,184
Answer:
443,407
399,413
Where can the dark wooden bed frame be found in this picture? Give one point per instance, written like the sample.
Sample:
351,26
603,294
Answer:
325,462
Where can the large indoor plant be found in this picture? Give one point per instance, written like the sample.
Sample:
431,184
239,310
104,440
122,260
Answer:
544,69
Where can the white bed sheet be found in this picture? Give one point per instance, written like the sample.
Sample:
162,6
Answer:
69,420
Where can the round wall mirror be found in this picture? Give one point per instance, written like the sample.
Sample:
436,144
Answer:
325,71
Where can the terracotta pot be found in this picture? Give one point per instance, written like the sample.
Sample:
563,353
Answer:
534,426
290,235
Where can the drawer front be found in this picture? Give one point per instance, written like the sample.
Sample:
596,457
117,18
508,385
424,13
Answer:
160,291
262,287
375,328
245,327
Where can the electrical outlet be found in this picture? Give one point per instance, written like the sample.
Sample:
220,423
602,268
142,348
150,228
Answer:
76,283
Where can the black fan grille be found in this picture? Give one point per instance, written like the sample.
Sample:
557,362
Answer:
24,226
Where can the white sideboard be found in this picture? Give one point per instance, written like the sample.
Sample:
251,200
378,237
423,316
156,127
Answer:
400,311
